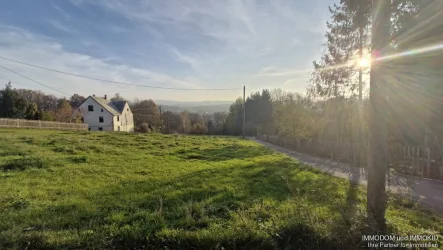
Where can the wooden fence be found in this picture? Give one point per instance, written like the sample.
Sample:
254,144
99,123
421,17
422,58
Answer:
408,160
20,123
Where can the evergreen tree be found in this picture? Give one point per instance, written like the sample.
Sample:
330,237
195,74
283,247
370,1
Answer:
235,117
12,105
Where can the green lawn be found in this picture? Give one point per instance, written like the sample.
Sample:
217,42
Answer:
83,190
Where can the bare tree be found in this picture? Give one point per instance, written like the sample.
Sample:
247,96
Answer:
185,122
171,122
219,121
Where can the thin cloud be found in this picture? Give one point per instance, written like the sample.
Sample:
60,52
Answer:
117,29
291,81
181,57
243,26
61,11
174,43
25,46
271,71
59,26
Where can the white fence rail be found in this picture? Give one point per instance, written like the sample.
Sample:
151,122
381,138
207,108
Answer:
20,123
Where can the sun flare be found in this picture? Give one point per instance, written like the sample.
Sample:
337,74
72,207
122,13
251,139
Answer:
364,63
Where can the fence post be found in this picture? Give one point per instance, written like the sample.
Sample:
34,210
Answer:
403,161
434,171
397,149
417,165
18,123
39,124
421,158
428,162
413,160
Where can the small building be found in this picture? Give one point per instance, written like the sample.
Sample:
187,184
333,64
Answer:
105,115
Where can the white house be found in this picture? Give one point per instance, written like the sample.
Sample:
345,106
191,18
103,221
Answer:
105,115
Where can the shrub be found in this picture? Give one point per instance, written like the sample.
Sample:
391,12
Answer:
144,128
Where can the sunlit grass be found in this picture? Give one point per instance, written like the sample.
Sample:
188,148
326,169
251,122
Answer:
81,190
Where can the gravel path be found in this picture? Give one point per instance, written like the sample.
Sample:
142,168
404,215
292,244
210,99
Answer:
425,191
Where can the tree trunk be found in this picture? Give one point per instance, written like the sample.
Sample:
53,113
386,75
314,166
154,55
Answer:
377,160
360,161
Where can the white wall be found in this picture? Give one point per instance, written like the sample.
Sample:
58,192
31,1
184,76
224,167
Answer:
92,117
117,123
127,119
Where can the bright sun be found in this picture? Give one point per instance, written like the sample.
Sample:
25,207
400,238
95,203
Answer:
364,63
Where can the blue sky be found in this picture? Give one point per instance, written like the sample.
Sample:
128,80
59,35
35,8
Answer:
184,44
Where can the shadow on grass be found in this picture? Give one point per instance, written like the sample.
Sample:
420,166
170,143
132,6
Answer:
24,163
352,223
192,202
203,197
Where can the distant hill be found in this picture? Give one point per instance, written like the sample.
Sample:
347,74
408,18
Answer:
188,104
195,107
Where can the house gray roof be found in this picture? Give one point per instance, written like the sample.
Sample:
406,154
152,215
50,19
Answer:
120,105
115,108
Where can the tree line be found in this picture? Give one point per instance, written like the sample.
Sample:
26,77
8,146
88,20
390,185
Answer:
148,116
36,105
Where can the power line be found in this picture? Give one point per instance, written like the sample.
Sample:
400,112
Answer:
103,80
5,78
12,81
34,80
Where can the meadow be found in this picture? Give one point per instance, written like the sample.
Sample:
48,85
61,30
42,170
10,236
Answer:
99,190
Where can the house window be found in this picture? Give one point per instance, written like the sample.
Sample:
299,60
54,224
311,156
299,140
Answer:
100,119
127,109
118,128
100,128
102,110
118,118
83,119
90,108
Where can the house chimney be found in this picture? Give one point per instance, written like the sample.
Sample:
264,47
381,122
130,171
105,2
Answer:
105,97
93,95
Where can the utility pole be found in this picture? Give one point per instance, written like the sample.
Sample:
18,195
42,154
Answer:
161,120
244,110
378,155
206,123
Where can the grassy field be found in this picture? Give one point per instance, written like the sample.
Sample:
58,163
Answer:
82,190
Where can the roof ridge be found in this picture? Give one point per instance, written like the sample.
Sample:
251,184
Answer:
105,103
